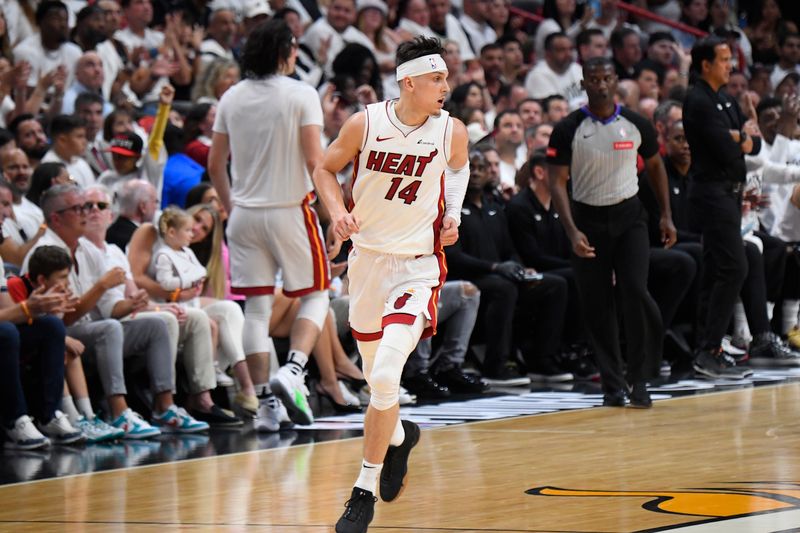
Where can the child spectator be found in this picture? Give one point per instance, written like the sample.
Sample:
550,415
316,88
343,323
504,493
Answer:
176,265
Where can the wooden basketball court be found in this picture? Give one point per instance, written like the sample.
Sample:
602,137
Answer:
720,462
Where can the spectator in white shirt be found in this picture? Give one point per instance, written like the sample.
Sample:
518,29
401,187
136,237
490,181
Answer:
789,57
335,30
24,224
69,144
221,33
446,26
139,15
557,73
49,48
474,20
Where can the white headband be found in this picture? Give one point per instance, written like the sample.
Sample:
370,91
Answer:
421,65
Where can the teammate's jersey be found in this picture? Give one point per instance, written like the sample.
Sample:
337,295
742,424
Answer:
398,188
262,119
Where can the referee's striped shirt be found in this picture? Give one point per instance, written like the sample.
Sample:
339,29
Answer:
601,153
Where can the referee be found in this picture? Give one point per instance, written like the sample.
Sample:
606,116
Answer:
596,147
714,126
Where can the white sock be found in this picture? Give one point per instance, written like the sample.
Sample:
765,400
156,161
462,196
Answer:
741,330
68,407
85,407
770,310
399,434
296,356
368,478
790,310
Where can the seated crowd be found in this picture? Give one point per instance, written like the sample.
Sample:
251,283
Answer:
115,264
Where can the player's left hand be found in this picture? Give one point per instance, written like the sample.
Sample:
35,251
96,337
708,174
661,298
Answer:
669,234
333,244
449,233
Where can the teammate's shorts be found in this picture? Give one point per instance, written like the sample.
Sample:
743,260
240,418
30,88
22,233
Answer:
263,240
391,289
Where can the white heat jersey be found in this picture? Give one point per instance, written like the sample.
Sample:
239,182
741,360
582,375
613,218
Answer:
398,189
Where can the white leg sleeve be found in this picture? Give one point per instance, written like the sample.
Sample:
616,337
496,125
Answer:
257,312
314,307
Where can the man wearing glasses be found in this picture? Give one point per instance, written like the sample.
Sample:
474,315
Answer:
95,320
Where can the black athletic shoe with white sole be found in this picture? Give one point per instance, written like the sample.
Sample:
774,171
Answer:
358,512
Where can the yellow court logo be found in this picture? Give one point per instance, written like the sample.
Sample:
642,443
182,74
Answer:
731,502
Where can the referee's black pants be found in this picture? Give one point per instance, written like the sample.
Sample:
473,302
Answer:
716,213
620,237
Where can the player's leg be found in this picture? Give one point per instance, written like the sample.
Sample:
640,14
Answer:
253,271
299,249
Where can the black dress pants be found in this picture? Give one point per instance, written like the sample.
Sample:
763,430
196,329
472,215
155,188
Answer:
716,212
620,237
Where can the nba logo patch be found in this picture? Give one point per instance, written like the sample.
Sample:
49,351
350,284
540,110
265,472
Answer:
433,63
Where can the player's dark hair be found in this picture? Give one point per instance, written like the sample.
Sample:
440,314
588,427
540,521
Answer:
46,260
267,47
419,47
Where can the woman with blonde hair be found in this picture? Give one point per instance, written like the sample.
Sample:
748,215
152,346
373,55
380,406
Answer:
216,78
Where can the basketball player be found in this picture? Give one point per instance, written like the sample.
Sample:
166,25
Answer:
270,124
411,173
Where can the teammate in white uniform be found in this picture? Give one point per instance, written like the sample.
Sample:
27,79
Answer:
271,125
411,173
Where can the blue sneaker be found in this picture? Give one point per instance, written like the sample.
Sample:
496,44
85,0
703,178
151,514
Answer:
176,420
98,431
134,426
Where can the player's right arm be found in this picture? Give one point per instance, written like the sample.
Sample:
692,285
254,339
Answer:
341,151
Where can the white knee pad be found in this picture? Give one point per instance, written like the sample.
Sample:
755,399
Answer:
397,343
257,312
314,307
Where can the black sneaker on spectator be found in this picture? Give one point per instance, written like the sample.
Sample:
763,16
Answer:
218,417
715,364
767,349
614,399
506,376
546,370
578,360
639,397
459,381
425,387
358,512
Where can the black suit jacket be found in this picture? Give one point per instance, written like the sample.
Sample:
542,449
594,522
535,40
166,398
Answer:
120,232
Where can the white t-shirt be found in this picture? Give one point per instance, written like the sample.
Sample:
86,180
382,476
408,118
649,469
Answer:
27,217
262,119
542,81
152,39
480,34
321,30
456,33
78,168
211,50
43,61
19,27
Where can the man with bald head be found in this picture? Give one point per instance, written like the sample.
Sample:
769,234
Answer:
25,223
221,32
89,78
137,202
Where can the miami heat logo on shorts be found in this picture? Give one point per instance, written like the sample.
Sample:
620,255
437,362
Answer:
401,301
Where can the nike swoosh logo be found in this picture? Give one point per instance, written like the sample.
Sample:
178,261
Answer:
587,136
384,139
